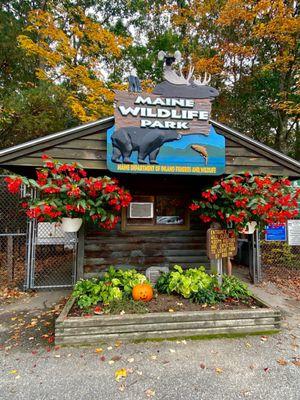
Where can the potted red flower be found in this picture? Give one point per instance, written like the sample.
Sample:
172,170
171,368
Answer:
244,202
66,194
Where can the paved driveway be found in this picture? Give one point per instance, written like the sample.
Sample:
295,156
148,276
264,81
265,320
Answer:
255,367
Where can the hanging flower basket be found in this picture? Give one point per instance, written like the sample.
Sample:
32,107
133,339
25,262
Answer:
71,224
249,230
65,193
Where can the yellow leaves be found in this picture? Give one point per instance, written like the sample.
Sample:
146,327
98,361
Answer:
235,12
120,373
212,65
74,52
98,350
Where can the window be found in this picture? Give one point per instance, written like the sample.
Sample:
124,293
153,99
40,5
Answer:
160,212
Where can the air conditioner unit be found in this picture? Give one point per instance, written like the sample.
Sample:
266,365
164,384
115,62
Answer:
140,210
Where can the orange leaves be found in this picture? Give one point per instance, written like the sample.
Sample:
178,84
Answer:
235,12
74,49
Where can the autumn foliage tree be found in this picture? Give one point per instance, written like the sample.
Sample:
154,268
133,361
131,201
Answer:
87,49
76,51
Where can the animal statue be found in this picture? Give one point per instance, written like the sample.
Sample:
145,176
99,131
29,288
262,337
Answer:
134,82
171,75
146,141
201,150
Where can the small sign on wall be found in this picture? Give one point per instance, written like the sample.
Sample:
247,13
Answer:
293,227
275,233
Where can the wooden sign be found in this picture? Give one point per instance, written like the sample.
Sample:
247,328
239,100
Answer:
157,134
146,110
221,243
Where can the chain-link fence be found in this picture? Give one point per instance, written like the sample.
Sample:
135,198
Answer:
33,254
53,256
13,228
280,254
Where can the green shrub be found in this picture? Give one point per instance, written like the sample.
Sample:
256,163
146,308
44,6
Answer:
200,287
233,287
208,296
114,285
184,282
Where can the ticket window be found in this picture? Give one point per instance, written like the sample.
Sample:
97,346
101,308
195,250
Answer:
159,212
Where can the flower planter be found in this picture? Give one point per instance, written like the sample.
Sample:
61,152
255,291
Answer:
250,228
71,224
164,325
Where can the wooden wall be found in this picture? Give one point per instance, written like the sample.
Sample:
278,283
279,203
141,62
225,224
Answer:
141,249
90,151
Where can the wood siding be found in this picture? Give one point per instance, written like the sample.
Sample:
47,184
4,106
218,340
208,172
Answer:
90,151
141,250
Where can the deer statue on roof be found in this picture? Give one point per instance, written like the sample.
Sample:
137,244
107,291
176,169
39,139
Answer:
172,76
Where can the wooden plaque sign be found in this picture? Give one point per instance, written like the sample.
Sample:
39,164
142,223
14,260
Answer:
221,243
155,134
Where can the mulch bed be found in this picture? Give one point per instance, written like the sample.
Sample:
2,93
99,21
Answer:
173,303
286,279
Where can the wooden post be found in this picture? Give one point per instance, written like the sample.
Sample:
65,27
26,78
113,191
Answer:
219,271
80,253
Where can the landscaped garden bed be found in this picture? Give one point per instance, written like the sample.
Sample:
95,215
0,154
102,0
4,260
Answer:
185,303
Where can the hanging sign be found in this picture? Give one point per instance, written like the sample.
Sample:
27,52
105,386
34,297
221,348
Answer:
164,135
221,243
293,227
275,233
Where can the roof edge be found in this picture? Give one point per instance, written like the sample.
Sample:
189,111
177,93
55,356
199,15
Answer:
256,143
52,136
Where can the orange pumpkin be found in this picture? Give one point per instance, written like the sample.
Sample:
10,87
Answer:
142,292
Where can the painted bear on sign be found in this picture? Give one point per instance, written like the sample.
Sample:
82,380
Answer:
146,141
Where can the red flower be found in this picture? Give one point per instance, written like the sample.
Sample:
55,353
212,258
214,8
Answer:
13,184
50,164
82,172
194,207
110,188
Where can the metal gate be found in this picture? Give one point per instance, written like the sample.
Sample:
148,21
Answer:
33,255
13,234
52,256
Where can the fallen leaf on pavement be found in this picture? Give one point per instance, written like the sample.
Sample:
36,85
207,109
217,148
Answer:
120,373
98,350
282,362
130,360
13,371
296,362
116,358
150,393
219,370
122,387
202,365
267,369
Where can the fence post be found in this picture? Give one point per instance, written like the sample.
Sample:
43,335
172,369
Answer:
10,258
